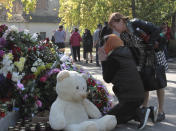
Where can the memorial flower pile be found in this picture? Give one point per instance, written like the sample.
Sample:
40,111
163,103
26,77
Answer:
28,70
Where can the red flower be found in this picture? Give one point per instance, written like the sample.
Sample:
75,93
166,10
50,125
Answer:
34,48
27,77
43,79
91,82
29,49
9,76
47,45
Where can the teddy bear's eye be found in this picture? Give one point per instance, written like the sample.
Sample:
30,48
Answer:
77,87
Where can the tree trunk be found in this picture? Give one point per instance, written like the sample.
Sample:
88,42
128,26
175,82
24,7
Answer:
173,26
133,8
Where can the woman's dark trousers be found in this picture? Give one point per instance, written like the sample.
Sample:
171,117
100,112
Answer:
125,111
76,52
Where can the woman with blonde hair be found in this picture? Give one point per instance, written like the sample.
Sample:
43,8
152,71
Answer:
119,68
143,39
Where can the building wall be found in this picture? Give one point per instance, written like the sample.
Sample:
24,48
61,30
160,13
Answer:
49,28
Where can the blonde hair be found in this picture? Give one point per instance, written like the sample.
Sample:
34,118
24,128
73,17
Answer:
116,17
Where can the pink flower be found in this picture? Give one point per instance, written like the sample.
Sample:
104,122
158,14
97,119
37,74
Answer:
20,86
43,79
39,103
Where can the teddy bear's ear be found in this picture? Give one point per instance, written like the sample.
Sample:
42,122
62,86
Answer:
62,75
85,76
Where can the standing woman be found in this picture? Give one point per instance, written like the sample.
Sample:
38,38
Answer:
87,44
143,49
75,40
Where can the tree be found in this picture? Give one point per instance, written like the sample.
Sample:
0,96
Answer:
29,5
89,13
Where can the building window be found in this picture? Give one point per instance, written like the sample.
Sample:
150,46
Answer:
42,35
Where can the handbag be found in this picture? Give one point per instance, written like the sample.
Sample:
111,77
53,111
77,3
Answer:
153,74
161,59
153,77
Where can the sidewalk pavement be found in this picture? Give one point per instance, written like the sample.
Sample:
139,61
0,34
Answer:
169,124
172,63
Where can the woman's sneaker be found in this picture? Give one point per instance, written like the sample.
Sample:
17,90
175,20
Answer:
153,113
161,117
144,115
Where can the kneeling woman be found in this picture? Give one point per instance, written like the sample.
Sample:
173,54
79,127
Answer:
119,69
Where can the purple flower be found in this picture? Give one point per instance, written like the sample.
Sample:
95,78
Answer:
2,53
25,97
75,68
39,103
56,70
64,66
2,42
41,47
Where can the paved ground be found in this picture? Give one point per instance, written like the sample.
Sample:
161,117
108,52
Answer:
169,124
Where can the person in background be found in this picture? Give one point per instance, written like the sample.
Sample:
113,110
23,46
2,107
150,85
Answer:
105,31
87,44
59,38
119,68
166,33
96,41
52,39
71,50
75,40
142,38
38,36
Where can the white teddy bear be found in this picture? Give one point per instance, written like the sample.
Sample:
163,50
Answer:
71,111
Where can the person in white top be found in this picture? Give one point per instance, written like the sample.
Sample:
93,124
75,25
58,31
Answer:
59,37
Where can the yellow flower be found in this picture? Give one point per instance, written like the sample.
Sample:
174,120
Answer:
39,70
10,56
52,50
20,64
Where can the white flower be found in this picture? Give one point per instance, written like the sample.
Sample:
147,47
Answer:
26,31
64,58
34,37
13,28
33,69
11,38
38,62
16,77
6,34
7,65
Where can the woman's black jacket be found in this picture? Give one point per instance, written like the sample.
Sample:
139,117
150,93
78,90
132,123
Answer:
87,42
148,27
120,70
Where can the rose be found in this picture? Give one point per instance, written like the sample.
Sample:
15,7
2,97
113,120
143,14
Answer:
39,103
9,75
43,79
